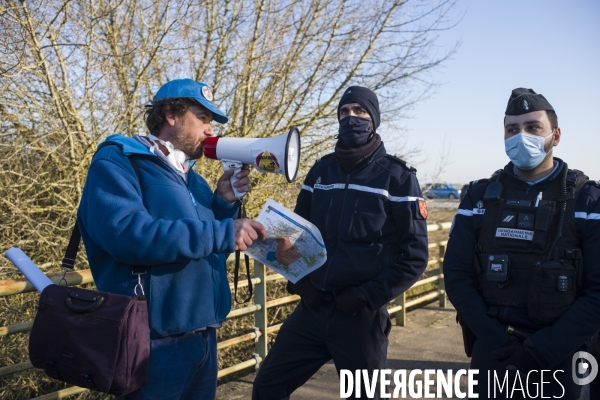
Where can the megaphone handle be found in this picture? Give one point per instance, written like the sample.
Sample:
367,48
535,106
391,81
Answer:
237,167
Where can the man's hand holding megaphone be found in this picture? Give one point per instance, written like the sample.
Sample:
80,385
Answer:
242,184
245,230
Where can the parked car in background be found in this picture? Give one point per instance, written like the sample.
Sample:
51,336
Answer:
440,191
463,191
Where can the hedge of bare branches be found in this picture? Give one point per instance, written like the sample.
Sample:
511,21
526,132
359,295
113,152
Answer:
75,71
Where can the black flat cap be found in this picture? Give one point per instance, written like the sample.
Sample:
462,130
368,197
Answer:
523,101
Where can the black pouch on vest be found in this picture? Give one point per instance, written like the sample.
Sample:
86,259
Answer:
543,221
469,337
552,291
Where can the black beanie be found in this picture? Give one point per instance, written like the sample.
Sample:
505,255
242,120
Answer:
523,101
364,97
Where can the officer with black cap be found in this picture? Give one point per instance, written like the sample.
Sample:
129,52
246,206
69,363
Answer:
522,266
369,209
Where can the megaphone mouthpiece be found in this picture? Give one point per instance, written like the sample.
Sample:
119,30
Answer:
209,147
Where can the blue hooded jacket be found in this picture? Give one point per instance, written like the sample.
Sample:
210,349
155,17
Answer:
183,234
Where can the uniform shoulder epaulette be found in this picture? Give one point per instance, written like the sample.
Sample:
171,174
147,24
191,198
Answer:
594,183
496,174
478,182
492,178
400,161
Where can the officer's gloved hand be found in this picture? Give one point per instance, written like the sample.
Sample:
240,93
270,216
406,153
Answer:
506,350
513,357
351,300
309,294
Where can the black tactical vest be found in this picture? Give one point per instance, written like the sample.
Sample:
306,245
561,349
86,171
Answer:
521,261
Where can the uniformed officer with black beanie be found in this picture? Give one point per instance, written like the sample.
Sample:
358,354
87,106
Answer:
522,266
370,211
358,113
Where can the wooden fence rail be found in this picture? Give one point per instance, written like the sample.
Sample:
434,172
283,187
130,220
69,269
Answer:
259,333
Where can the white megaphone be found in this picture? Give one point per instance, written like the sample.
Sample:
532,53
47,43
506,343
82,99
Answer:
280,154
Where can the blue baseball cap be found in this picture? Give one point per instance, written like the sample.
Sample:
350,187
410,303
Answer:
198,91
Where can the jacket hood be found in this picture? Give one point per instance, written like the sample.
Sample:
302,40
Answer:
128,145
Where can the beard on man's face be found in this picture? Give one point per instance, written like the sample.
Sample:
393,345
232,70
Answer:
197,154
193,150
185,142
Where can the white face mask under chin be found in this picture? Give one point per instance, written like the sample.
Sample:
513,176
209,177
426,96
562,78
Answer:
176,158
526,151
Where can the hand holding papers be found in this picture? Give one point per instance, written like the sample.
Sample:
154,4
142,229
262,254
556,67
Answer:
294,247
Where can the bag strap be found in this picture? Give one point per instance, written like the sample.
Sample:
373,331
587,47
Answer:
241,214
68,262
575,181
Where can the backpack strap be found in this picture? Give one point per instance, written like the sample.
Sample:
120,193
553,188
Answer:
575,181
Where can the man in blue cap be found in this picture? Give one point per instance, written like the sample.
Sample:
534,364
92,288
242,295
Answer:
143,205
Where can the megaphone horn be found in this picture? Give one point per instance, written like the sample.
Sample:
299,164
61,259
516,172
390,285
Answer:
280,154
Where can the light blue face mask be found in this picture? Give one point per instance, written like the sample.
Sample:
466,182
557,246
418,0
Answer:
526,151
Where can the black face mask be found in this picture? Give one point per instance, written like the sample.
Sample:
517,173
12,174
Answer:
354,131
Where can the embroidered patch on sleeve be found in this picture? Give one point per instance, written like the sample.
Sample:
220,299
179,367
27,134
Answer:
422,206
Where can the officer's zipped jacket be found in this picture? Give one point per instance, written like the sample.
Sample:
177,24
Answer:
374,232
550,344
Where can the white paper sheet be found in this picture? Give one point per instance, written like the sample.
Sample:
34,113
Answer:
28,268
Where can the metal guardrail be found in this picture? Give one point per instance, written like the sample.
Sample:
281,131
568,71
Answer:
259,309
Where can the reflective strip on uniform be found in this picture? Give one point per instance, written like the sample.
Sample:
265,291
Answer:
584,215
405,198
470,213
466,213
361,188
329,187
368,189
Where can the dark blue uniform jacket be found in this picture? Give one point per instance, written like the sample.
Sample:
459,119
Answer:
374,234
553,343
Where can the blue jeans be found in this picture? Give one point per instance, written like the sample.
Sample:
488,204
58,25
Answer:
182,367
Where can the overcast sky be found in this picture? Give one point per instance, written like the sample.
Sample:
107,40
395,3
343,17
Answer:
551,46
